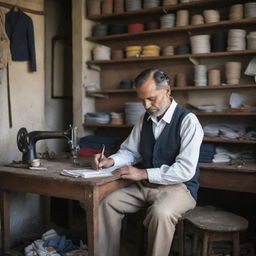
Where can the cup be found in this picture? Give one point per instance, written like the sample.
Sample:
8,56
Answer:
35,162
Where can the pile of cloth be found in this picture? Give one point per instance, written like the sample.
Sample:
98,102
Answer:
225,131
92,144
207,152
51,244
97,118
228,153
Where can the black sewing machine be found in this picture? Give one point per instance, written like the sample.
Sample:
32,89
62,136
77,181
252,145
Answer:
27,141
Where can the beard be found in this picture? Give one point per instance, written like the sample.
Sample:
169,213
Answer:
155,111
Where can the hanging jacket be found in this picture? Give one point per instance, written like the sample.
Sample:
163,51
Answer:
19,28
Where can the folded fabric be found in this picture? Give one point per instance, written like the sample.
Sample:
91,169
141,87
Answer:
49,234
98,117
96,142
88,152
60,244
251,134
251,68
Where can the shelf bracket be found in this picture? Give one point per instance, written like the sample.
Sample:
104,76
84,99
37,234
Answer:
93,67
97,95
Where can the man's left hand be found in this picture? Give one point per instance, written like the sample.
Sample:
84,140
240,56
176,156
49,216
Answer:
131,173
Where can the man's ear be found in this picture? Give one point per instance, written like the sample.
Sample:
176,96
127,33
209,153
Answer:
168,91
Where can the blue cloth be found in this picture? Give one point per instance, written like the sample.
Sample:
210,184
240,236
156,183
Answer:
251,133
96,142
60,244
19,28
207,152
165,149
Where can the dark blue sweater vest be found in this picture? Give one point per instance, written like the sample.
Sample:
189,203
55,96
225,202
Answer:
165,149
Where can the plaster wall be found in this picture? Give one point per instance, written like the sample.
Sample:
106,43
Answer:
27,102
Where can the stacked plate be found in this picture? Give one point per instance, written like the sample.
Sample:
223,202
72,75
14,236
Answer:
236,12
107,6
250,10
211,131
133,111
211,16
133,51
102,53
251,40
151,50
97,118
135,28
151,3
168,50
132,5
207,108
197,19
200,75
100,30
200,44
236,40
167,20
117,118
117,29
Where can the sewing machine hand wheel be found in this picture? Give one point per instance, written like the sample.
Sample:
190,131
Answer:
22,139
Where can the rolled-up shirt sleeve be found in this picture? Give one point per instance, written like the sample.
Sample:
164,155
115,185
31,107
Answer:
128,154
184,167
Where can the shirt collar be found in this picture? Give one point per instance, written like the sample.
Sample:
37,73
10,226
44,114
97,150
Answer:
167,117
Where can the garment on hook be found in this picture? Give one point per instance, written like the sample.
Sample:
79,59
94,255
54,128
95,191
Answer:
5,55
19,28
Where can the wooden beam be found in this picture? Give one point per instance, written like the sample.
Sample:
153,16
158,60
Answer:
9,6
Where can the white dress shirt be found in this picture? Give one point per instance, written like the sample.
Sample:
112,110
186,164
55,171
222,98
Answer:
184,167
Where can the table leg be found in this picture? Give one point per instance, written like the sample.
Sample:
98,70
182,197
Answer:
5,221
91,206
46,200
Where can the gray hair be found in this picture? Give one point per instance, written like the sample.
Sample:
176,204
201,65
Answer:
160,77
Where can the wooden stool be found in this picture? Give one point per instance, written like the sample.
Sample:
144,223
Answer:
215,225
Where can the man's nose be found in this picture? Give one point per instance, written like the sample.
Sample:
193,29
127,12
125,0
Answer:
146,104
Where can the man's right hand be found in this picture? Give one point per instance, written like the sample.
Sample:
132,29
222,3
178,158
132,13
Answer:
102,163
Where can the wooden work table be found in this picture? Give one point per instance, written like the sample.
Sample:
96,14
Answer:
50,183
91,191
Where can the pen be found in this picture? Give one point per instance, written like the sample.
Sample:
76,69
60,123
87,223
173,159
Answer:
102,153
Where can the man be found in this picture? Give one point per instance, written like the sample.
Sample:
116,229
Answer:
166,142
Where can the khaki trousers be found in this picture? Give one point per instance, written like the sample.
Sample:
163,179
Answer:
166,205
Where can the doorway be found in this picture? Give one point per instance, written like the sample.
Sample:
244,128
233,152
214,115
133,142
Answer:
58,70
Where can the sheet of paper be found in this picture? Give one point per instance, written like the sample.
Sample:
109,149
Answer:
89,173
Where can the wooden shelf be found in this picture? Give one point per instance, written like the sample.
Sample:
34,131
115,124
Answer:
161,9
249,166
185,88
234,141
107,126
206,139
226,23
224,113
172,57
